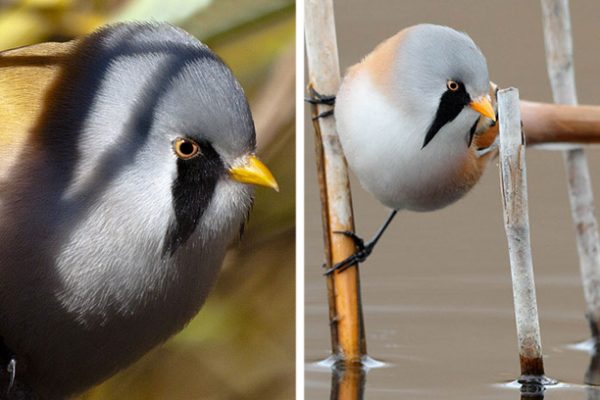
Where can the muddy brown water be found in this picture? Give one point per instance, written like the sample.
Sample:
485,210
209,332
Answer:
436,292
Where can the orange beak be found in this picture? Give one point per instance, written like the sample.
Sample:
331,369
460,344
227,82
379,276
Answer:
484,107
249,169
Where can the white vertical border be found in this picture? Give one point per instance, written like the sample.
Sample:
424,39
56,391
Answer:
300,200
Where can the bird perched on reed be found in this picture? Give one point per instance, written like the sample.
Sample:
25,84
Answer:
125,159
416,122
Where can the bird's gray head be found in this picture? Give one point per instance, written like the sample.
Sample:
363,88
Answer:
165,128
442,72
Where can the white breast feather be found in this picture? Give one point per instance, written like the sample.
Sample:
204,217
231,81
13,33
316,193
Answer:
383,147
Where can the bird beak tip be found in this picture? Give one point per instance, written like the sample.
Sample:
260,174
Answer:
252,171
484,107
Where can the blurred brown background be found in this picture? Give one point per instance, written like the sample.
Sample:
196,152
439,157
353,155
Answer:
436,292
241,345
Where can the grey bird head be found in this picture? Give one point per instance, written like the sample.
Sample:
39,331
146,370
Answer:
443,74
186,116
117,214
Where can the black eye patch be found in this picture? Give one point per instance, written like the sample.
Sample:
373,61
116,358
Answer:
192,191
451,104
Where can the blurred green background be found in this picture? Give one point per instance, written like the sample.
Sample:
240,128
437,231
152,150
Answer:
242,343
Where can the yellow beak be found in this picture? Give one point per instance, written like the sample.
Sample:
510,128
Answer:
250,169
483,106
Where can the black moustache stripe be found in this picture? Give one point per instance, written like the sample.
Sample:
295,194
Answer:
192,191
451,104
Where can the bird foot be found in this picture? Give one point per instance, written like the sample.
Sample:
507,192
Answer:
363,251
320,99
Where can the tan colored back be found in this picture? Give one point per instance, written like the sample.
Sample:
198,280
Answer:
26,74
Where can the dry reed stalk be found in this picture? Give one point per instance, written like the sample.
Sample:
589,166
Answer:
557,123
345,311
516,222
559,60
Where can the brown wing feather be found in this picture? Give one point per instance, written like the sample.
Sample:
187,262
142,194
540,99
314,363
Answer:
26,75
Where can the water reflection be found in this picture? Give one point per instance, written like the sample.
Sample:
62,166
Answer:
532,391
592,375
592,393
348,382
535,390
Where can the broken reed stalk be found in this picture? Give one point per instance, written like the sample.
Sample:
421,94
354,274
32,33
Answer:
557,123
559,60
345,310
516,222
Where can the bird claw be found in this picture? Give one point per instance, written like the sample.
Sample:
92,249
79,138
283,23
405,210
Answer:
317,98
363,251
323,115
343,265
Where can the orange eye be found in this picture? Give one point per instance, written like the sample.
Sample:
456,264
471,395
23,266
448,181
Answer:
185,148
453,85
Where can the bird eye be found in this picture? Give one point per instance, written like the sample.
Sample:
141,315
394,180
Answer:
185,148
453,85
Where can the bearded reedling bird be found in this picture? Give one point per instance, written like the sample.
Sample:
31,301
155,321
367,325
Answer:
415,119
125,159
